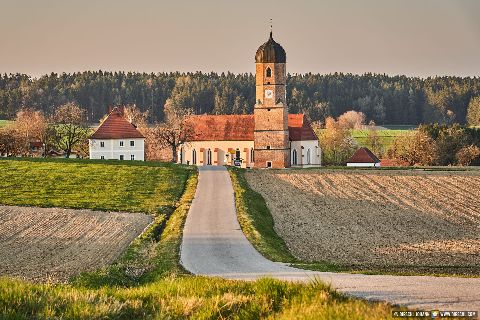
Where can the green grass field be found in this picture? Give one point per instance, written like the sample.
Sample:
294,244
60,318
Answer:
4,123
386,137
112,185
164,290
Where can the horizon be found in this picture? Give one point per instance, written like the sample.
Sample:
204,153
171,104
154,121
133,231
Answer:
431,38
32,77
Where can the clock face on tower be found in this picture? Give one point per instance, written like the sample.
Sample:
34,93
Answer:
268,94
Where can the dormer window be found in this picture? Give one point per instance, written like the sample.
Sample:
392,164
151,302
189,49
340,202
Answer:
269,72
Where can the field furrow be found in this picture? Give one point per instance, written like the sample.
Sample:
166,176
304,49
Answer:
391,219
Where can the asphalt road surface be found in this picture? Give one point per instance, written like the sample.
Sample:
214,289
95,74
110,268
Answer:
214,245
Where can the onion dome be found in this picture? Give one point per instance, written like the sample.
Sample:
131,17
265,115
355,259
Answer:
270,52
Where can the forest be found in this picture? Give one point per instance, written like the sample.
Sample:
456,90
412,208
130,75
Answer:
393,100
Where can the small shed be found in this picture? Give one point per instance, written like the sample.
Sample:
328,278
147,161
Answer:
363,157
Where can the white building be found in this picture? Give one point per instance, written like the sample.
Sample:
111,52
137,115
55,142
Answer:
229,140
363,157
116,138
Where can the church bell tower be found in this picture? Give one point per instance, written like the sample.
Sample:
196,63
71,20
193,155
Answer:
271,136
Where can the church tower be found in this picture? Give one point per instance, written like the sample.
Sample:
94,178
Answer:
271,143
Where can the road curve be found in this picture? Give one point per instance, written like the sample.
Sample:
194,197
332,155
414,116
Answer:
214,245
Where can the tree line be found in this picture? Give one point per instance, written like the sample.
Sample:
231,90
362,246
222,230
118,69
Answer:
429,145
381,98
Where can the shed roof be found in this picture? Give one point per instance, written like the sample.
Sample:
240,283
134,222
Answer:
363,155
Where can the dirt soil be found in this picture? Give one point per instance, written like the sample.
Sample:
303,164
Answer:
53,244
395,220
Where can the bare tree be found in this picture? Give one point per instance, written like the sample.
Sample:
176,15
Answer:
70,127
135,116
352,120
8,142
176,129
30,126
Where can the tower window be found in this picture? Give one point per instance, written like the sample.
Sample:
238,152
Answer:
268,147
269,164
269,72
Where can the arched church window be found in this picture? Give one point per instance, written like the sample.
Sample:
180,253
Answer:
194,156
294,157
237,154
209,157
269,72
181,155
308,156
252,155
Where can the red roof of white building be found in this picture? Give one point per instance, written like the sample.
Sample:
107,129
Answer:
299,128
116,126
241,127
363,155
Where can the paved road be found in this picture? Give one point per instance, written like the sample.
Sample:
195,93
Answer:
214,245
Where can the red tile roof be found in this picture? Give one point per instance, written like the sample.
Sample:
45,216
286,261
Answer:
116,127
363,155
299,128
221,127
241,127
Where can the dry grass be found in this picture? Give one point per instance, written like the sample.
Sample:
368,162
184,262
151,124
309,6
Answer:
386,219
52,244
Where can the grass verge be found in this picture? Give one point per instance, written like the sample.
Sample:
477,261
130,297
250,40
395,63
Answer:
256,220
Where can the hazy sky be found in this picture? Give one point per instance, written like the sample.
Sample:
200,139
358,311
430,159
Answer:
412,37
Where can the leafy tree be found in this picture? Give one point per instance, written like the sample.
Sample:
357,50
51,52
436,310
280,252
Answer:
416,149
466,155
336,143
473,115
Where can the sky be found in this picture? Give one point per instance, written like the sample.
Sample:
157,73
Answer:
403,37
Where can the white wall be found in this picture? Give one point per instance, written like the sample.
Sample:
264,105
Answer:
352,164
302,148
219,156
113,150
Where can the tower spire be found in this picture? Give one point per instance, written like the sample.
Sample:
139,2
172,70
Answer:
271,28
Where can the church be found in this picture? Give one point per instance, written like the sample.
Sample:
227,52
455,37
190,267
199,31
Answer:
270,138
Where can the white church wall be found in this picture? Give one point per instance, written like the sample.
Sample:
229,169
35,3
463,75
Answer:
218,152
308,153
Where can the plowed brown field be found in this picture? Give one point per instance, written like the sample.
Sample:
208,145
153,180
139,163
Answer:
380,219
54,244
